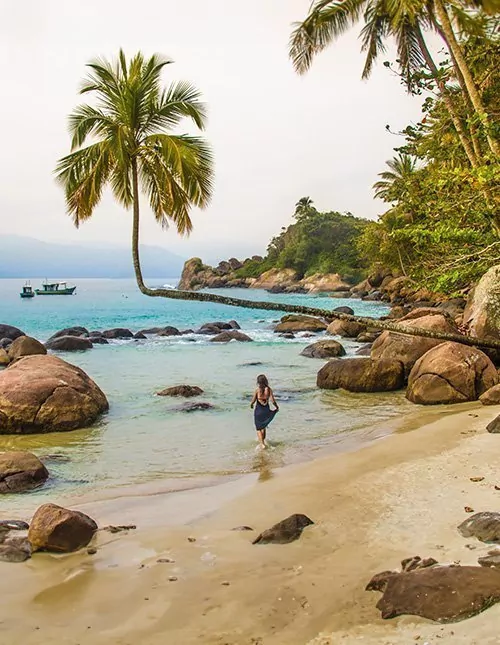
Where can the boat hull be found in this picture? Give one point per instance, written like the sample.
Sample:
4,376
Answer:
59,292
27,295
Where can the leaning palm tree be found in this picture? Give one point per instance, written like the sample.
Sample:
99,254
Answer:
131,146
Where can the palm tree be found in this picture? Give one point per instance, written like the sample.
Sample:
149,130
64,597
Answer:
393,184
303,206
131,145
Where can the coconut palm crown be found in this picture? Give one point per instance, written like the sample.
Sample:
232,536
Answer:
125,140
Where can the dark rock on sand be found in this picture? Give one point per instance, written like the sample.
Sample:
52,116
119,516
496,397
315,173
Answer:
14,525
10,332
58,529
70,331
192,407
494,426
490,560
70,344
20,471
285,531
361,375
242,528
11,553
380,580
46,394
442,594
25,346
491,396
484,526
117,332
226,336
323,349
181,390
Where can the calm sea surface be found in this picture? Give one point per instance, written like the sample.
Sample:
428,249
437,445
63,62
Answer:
142,438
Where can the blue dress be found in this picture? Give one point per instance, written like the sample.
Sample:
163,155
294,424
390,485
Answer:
263,415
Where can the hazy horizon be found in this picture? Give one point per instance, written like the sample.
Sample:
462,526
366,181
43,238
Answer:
276,136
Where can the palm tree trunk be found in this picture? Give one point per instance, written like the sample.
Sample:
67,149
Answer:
457,122
135,230
458,55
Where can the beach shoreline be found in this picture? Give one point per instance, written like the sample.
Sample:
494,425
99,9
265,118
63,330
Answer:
394,498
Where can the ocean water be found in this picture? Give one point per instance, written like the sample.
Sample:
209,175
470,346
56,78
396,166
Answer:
144,439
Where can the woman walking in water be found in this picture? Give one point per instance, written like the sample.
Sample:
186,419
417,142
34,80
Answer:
263,414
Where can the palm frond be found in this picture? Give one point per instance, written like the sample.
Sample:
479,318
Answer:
373,34
86,121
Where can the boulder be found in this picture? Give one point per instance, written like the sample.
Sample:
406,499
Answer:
70,331
193,407
191,274
234,334
364,351
71,343
484,526
98,340
138,336
275,277
213,328
14,553
493,427
5,343
285,531
25,346
442,594
4,358
345,328
117,332
376,278
368,336
14,525
490,560
58,529
323,349
295,322
288,335
361,375
482,312
491,396
7,331
181,390
344,310
233,324
46,394
320,282
450,373
234,264
408,349
20,471
169,331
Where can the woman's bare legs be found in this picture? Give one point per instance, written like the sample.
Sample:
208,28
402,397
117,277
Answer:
261,434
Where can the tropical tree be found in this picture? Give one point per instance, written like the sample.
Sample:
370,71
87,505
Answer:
393,184
303,206
131,146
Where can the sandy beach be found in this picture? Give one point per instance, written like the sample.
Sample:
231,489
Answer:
401,496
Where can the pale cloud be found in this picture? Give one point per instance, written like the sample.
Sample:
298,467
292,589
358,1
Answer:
276,136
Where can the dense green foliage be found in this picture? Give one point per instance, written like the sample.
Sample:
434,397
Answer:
315,243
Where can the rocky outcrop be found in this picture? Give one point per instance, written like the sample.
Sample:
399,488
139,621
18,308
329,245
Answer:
482,312
25,346
295,322
227,336
71,343
408,349
46,394
361,375
196,275
20,471
58,529
324,349
10,332
181,390
345,328
286,531
281,278
450,373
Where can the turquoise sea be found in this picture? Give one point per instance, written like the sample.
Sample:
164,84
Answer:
143,439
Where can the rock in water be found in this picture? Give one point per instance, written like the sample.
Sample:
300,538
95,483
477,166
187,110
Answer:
46,394
226,336
14,525
323,349
285,531
181,390
450,373
443,594
295,322
7,331
70,331
20,471
483,526
345,328
58,529
361,375
192,407
25,346
494,426
70,343
117,332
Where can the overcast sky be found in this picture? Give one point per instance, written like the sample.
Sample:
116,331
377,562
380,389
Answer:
276,136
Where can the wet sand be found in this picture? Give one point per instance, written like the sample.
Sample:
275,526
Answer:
403,495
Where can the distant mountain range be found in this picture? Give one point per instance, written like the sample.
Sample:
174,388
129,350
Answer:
25,257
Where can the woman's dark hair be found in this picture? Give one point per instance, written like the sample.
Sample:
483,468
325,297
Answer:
262,382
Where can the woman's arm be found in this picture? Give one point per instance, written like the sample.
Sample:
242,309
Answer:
271,394
254,399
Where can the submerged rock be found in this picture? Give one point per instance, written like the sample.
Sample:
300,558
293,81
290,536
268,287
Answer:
192,407
70,343
46,394
323,349
58,529
19,472
118,333
25,346
11,553
226,336
285,531
361,375
98,340
484,526
181,390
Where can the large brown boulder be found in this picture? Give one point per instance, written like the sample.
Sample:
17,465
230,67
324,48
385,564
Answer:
345,328
491,396
482,312
46,394
296,322
70,344
117,332
8,331
361,375
25,346
233,334
324,349
20,471
181,390
408,349
54,528
275,278
70,331
450,373
321,282
442,593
